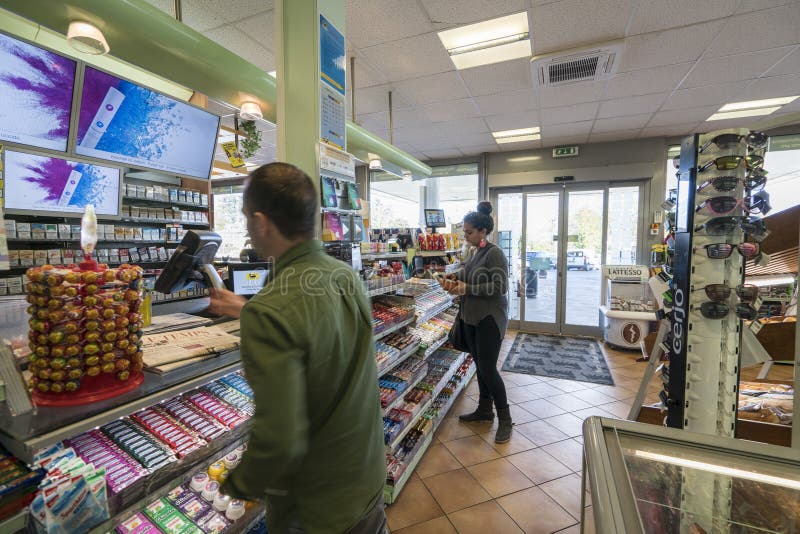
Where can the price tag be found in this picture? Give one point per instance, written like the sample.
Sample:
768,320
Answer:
758,303
756,326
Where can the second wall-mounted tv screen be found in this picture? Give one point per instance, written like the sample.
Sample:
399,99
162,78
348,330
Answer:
129,124
35,183
35,95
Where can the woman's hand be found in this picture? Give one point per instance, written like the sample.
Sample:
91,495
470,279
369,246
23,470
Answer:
224,302
455,287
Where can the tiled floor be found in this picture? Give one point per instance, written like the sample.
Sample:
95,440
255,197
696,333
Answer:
466,483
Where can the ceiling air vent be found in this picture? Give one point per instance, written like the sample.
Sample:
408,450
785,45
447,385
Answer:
598,62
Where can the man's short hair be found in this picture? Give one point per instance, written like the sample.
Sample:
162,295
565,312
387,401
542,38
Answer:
286,195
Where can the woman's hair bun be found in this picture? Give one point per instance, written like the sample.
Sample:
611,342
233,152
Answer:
485,207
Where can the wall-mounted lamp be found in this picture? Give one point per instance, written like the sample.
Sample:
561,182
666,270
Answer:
86,38
375,164
407,176
251,111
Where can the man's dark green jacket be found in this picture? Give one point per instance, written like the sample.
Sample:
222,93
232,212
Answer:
316,447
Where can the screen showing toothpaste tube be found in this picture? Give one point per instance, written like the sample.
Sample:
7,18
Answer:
135,126
35,95
42,183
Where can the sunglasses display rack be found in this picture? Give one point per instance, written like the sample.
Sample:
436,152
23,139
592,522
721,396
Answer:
717,174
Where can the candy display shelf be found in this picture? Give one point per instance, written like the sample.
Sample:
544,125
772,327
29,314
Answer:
399,400
434,346
433,311
391,492
384,290
383,255
165,203
439,387
391,364
23,435
165,480
394,328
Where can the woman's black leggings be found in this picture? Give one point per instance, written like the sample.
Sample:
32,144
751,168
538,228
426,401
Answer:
483,342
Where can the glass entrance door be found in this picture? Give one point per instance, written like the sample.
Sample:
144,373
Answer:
556,238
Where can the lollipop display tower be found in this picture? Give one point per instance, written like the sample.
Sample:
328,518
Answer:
85,328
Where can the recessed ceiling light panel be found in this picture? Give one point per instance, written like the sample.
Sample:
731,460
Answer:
752,104
491,41
722,115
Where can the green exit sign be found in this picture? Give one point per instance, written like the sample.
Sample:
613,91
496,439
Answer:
565,151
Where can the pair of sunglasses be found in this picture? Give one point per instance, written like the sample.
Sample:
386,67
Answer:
721,251
721,293
727,205
725,141
726,225
720,310
729,163
753,183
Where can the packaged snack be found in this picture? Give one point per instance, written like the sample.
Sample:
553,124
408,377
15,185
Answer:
137,524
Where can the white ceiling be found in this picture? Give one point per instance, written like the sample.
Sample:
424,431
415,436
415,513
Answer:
682,60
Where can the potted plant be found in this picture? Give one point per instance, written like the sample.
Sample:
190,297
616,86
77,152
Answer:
252,142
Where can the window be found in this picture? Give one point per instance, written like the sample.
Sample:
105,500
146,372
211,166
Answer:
782,162
457,188
672,178
394,203
622,240
229,221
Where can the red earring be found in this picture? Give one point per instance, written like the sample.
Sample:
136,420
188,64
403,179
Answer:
483,243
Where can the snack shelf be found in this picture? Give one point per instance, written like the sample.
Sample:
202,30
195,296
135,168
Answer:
24,434
163,221
384,290
439,387
165,480
390,492
434,311
434,253
399,399
394,328
434,347
383,255
165,203
398,360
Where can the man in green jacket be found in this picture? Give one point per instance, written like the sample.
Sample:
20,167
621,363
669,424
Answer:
316,451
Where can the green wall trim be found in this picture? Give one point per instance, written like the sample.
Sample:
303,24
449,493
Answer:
145,36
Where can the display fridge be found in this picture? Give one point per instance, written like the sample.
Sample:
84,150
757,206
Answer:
650,479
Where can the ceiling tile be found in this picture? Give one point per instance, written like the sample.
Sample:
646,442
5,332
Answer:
656,15
376,99
374,121
602,137
457,12
567,95
616,124
409,117
757,5
442,153
573,113
202,15
452,110
565,140
668,131
463,126
704,96
788,65
522,100
366,74
710,126
631,105
760,30
498,77
563,130
647,81
513,121
668,47
772,87
167,6
241,9
435,88
733,68
469,139
410,58
372,22
571,23
260,28
243,46
682,116
475,150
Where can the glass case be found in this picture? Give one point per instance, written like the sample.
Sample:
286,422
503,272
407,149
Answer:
650,479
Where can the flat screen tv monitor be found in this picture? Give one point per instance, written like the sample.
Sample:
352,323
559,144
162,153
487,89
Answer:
248,278
434,218
47,185
138,127
36,88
